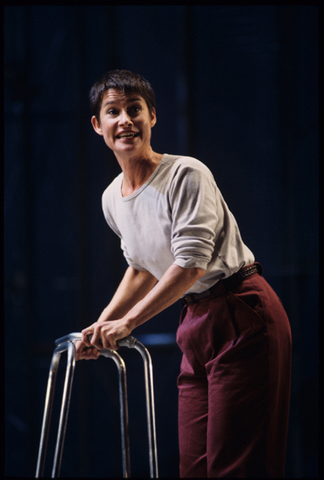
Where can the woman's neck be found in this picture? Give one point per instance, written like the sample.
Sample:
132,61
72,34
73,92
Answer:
137,171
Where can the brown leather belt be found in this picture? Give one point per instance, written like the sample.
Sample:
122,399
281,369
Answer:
228,283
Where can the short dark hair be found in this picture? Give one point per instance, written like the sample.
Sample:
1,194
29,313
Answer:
125,81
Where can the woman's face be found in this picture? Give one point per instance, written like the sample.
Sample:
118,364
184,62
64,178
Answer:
125,123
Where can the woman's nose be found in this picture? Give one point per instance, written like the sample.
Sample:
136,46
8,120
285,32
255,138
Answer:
125,119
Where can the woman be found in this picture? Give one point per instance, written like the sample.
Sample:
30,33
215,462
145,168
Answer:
181,241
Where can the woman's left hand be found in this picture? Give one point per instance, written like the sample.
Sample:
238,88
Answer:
105,334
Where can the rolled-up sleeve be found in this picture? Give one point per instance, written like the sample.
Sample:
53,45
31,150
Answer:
194,217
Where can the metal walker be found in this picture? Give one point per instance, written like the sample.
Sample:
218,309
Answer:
66,343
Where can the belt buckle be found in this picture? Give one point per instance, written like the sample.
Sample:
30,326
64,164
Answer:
192,298
188,299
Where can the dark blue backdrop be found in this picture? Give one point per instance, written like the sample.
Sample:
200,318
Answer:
235,86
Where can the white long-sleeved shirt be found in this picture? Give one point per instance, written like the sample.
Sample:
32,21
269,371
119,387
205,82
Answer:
177,217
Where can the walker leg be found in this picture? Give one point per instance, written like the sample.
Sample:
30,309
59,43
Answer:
64,410
47,413
69,346
132,342
123,408
150,409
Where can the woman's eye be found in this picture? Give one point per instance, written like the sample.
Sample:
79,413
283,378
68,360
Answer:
135,109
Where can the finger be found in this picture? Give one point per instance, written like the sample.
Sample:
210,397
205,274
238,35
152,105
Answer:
89,354
96,339
90,337
78,349
108,341
85,352
92,354
85,336
113,344
104,341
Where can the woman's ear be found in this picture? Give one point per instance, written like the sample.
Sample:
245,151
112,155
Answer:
96,125
153,118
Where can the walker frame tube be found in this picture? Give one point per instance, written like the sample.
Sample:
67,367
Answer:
132,342
67,389
47,414
123,407
66,397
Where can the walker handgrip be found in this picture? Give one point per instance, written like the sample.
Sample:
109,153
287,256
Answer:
123,342
72,337
127,342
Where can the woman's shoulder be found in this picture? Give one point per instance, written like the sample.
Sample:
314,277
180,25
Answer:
180,162
113,187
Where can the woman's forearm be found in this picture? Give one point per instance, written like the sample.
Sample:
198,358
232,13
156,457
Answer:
133,287
172,286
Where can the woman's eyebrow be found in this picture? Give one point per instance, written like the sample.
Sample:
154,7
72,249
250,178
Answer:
130,100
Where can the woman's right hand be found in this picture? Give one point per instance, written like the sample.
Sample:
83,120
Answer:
83,352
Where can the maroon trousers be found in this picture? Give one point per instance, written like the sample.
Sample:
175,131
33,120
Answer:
234,385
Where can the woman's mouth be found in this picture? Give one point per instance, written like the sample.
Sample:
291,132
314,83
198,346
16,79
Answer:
127,135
